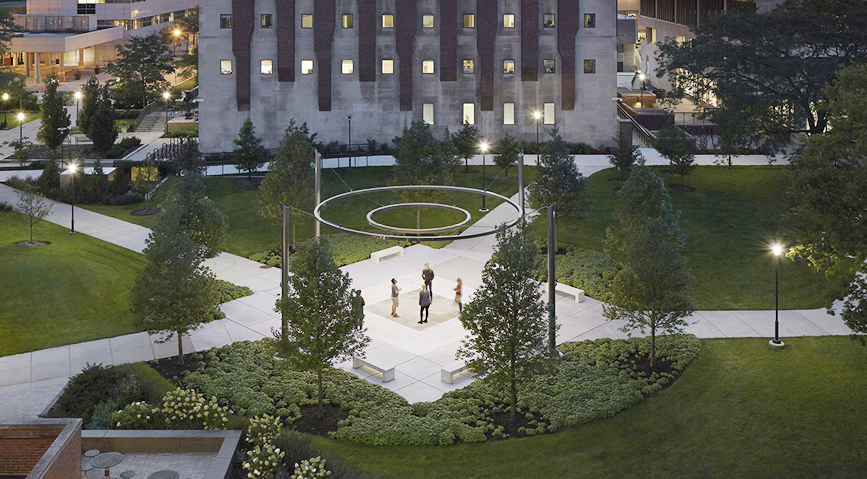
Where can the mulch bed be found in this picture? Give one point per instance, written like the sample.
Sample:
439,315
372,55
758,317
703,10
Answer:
33,243
312,423
250,182
683,188
146,212
170,369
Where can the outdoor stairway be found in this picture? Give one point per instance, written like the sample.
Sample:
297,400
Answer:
155,122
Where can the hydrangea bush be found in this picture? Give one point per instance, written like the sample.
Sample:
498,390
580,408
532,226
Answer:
134,416
183,407
311,469
262,460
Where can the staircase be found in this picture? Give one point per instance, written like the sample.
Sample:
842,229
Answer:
155,122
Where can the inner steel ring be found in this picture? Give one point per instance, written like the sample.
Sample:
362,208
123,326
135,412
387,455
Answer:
417,230
317,212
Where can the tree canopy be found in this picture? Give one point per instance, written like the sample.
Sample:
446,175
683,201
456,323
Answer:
466,143
33,206
624,156
506,152
250,154
141,66
96,116
677,148
54,116
558,179
192,214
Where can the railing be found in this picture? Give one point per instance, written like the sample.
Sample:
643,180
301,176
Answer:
689,118
152,107
52,23
645,137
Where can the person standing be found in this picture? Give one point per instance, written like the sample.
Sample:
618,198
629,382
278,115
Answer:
395,292
424,303
458,292
427,275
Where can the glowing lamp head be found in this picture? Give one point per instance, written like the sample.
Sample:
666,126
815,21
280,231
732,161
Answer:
777,249
5,96
177,32
642,76
166,95
537,115
78,95
21,117
73,167
484,147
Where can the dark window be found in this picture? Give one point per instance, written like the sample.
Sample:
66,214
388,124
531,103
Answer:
267,21
225,21
86,9
589,66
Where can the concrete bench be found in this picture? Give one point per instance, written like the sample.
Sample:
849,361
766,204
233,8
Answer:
377,255
566,290
387,374
449,371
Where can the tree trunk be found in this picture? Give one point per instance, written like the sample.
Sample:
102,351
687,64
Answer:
514,396
652,346
319,379
293,237
180,347
466,165
31,228
418,218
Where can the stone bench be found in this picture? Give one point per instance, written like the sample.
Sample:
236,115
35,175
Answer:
387,373
449,371
377,255
566,290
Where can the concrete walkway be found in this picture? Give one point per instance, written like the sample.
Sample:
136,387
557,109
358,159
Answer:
417,351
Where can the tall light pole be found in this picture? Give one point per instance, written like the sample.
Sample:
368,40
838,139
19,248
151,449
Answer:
538,116
62,130
641,78
20,126
777,249
72,168
166,96
77,100
5,111
349,145
484,147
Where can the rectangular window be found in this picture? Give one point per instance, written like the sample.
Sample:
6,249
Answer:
388,67
427,20
469,117
226,21
469,20
346,21
306,20
387,20
428,113
86,9
589,20
266,67
509,20
427,66
589,66
548,114
306,67
346,67
550,66
225,67
266,21
469,66
508,113
548,20
509,67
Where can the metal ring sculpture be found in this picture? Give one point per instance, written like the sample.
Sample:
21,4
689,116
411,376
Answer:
317,212
395,229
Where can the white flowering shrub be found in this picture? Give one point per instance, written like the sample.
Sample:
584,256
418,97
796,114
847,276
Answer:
262,460
311,469
263,430
134,416
187,409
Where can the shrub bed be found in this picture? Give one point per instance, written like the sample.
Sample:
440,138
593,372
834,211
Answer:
585,269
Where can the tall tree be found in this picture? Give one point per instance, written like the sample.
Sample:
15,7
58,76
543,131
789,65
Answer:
506,152
143,63
624,156
250,154
8,29
675,147
466,143
33,206
558,179
188,161
89,104
650,293
829,189
768,69
192,214
290,177
96,117
54,116
188,65
506,319
324,315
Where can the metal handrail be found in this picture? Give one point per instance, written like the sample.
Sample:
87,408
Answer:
644,134
150,108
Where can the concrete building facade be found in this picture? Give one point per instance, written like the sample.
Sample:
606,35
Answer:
387,63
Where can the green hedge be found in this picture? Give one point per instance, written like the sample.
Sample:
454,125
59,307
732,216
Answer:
229,291
585,269
345,249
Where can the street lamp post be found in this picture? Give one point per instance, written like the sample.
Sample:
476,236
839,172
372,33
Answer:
72,168
538,116
484,148
777,249
641,78
20,126
62,130
5,111
166,96
77,100
349,145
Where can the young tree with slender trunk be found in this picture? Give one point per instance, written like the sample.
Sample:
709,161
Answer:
558,179
466,143
250,154
673,144
506,152
192,214
624,156
33,206
96,117
54,116
141,66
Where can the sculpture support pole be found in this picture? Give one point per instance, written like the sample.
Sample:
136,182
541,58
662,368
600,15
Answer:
318,190
521,185
284,273
552,278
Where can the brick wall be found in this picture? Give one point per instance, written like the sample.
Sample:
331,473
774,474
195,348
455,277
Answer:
41,448
21,448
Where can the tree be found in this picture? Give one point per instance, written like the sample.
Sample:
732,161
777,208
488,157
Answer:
650,292
322,314
22,150
828,186
96,116
624,156
506,152
466,143
49,179
768,70
54,116
290,177
8,29
141,66
250,154
188,161
558,179
33,206
174,293
194,215
506,319
675,147
188,65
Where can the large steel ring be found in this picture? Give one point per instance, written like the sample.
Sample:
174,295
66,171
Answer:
395,229
317,212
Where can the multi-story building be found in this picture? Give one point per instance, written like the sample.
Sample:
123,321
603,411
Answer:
137,17
387,63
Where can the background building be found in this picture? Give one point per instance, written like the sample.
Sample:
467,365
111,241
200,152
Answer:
389,62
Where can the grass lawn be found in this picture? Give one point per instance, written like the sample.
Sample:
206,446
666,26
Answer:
739,410
728,222
73,290
249,233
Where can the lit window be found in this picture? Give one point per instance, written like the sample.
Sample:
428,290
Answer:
225,21
225,67
508,113
589,20
469,20
589,66
550,66
469,117
548,20
265,67
428,113
427,66
469,66
388,21
509,20
508,67
427,20
346,21
306,20
306,67
548,114
388,67
347,67
266,20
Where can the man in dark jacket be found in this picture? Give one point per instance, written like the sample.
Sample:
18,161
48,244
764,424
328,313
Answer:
427,275
424,303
